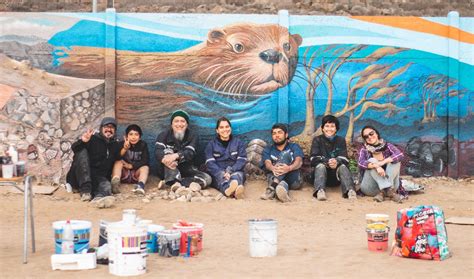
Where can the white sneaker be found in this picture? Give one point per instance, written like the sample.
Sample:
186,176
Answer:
321,195
139,190
351,195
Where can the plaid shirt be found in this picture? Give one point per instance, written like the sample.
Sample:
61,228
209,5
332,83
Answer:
390,151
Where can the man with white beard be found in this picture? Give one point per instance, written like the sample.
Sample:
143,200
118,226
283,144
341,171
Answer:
175,153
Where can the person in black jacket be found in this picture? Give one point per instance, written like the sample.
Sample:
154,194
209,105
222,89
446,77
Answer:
175,152
330,162
134,166
94,156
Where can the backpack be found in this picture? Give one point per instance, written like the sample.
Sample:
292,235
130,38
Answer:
421,234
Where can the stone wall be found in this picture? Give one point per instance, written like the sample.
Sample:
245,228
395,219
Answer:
316,7
43,128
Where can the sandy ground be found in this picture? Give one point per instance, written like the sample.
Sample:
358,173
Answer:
315,239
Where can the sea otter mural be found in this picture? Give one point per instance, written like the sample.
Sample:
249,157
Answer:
239,59
396,73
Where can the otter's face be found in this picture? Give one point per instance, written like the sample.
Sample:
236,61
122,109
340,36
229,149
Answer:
249,59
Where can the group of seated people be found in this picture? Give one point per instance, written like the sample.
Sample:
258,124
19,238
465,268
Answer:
101,162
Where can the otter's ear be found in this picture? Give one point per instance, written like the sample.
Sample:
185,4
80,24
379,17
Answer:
297,39
215,36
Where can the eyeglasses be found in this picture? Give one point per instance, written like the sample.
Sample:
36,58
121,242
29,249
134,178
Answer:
371,134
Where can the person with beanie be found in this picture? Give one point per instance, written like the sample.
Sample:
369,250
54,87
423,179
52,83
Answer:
175,152
134,165
330,162
94,157
379,162
282,161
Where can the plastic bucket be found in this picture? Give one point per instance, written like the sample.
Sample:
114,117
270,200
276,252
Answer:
376,221
127,249
168,243
151,237
191,238
103,232
377,239
263,239
82,232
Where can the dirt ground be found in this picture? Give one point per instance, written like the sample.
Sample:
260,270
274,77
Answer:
315,239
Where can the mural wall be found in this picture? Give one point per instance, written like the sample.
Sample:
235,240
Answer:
410,77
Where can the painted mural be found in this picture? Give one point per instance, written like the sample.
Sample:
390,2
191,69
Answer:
408,76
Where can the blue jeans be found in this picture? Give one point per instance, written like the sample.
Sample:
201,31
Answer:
291,181
221,184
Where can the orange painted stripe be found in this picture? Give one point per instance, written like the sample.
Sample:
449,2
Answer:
421,25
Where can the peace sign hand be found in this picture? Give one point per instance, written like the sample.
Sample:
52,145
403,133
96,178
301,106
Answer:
126,144
87,135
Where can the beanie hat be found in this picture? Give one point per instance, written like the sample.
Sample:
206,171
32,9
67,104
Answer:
181,113
107,121
133,127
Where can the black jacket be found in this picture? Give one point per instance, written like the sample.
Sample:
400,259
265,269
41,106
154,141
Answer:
167,144
322,149
137,154
102,154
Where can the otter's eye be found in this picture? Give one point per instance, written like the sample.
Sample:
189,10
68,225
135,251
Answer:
286,46
239,48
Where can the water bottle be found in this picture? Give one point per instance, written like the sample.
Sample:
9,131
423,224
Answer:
67,246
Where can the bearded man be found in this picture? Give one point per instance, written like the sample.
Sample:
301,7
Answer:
175,153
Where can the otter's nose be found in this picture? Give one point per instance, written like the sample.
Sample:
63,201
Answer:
270,56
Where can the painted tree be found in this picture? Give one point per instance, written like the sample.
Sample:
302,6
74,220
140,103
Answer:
374,81
435,89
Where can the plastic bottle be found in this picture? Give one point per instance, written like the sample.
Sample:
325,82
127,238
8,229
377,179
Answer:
13,154
67,245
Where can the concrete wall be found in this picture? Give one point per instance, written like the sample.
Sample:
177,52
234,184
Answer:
408,76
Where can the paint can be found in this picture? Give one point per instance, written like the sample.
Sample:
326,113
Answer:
168,243
151,237
376,221
377,240
103,232
129,216
263,240
190,231
82,231
127,249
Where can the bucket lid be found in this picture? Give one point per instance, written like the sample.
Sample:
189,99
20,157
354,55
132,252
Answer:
125,227
376,216
187,226
155,228
169,233
75,224
262,220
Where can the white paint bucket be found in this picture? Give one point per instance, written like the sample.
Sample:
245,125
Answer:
152,229
129,216
7,171
168,243
263,238
127,249
82,233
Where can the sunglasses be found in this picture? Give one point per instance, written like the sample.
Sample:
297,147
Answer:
371,134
